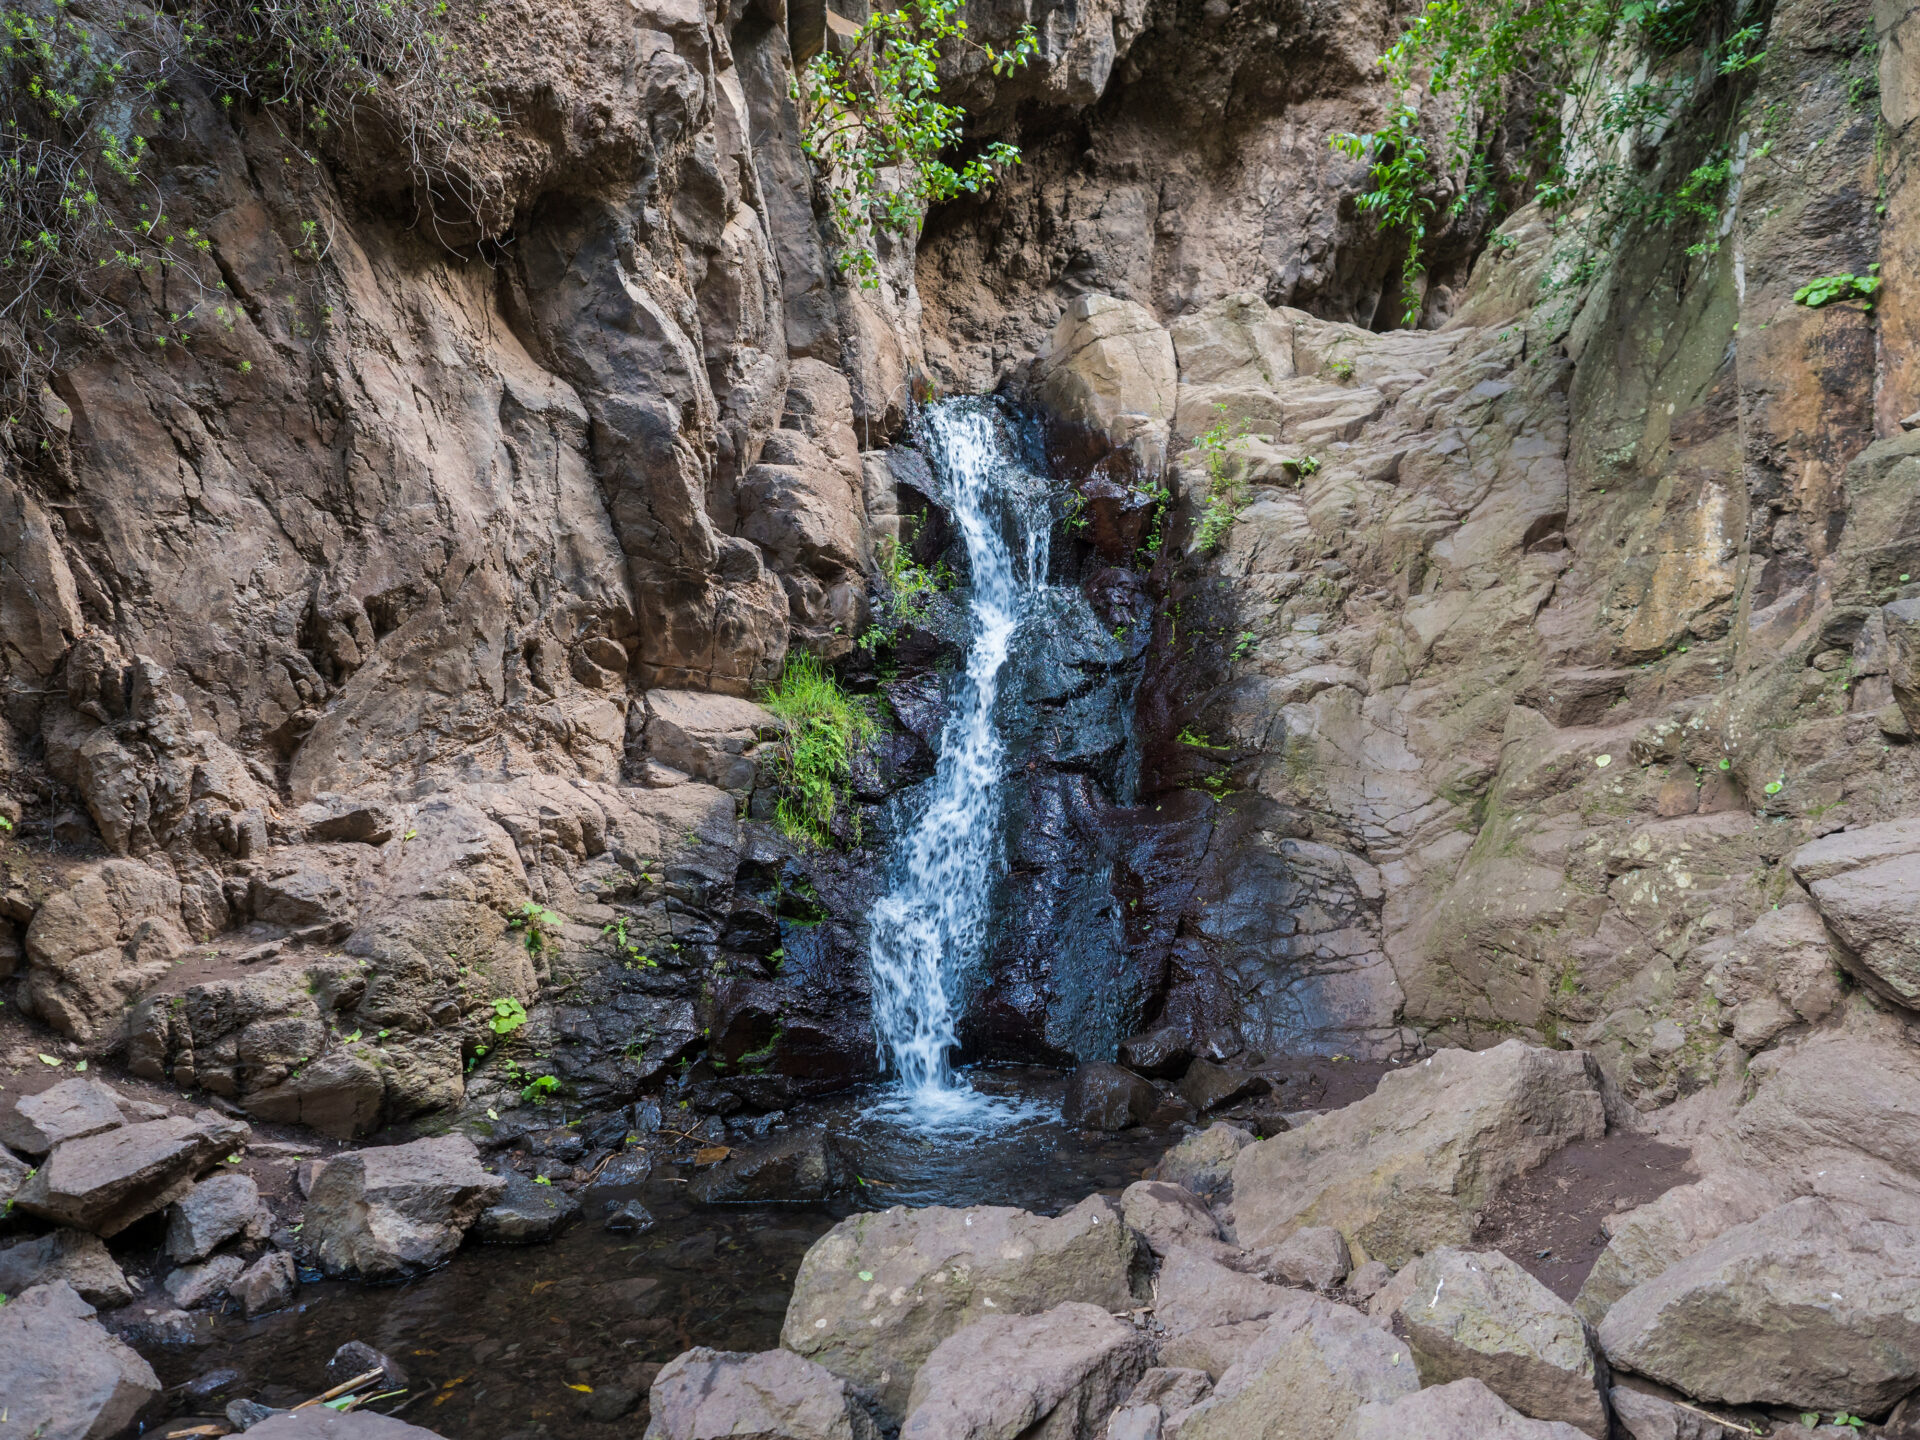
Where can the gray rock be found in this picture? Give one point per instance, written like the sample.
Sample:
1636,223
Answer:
629,1217
877,1293
192,1286
1105,1097
398,1209
1902,620
1316,1256
212,1213
803,1168
267,1284
1207,1086
1052,1376
1368,1281
1168,1215
1648,1417
317,1422
710,1393
245,1414
13,1175
356,1358
1810,1306
1478,1315
63,1377
1214,1350
1462,1410
105,1182
1192,1292
1203,1163
1866,886
70,1110
1162,1395
528,1213
74,1256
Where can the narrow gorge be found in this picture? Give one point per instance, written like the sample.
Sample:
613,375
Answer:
1219,747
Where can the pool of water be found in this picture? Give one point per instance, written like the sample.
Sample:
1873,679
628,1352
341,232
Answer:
510,1341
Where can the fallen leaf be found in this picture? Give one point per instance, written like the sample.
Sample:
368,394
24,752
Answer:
583,1389
540,1285
705,1155
49,1060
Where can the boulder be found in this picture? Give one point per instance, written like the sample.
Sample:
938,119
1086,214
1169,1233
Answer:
399,1209
1410,1167
802,1168
70,1110
703,1394
192,1286
1477,1315
1161,1394
1167,1215
1649,1417
1162,1054
527,1213
1214,1350
1866,885
317,1422
97,944
877,1293
105,1182
1304,1378
1110,367
1207,1086
1105,1097
63,1377
1203,1163
267,1284
1368,1281
1462,1410
1192,1292
1811,1306
628,1217
1052,1376
1315,1257
74,1256
356,1358
212,1213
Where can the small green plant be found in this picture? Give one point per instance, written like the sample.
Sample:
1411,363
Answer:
508,1016
1243,645
1304,465
1341,368
1188,736
536,925
1226,491
6,826
1832,289
814,761
629,953
539,1091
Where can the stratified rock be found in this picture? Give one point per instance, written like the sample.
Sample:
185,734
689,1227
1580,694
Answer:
1207,1086
74,1256
212,1213
1203,1163
399,1209
705,1393
267,1284
70,1110
1316,1256
1162,1054
802,1168
1057,1374
527,1213
1409,1167
1168,1215
105,1182
1192,1292
62,1377
877,1293
1810,1306
192,1286
1476,1314
1463,1410
1866,886
1316,1364
1105,1097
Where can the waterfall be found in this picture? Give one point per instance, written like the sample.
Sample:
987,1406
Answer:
929,930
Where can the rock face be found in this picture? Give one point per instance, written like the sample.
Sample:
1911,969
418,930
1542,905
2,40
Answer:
704,1393
877,1293
1052,1376
105,1182
1407,1168
399,1209
1462,1410
1477,1315
1809,1306
63,1376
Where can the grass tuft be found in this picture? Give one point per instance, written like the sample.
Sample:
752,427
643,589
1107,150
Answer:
825,728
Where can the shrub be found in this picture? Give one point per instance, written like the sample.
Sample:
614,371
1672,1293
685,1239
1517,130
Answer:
814,762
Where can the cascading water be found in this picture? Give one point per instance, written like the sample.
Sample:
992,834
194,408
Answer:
929,930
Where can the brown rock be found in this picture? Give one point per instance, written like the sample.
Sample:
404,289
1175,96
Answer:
105,1182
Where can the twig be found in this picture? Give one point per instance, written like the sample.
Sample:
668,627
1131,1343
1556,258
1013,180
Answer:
337,1391
1709,1415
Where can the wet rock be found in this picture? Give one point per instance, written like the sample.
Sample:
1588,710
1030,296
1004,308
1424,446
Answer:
1167,1215
1105,1097
267,1284
212,1213
1463,1410
803,1168
1162,1054
70,1110
63,1376
527,1213
356,1358
1203,1163
398,1209
1315,1365
1476,1314
629,1217
608,1403
703,1393
1193,1292
192,1286
1409,1167
1316,1257
317,1422
74,1256
105,1182
1057,1374
1207,1086
245,1414
1809,1306
877,1293
1866,886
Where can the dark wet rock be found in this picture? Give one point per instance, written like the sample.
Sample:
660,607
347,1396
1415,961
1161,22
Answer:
804,1168
70,1110
212,1213
704,1393
1203,1162
105,1182
245,1414
608,1403
192,1286
625,1170
356,1358
211,1383
628,1217
1207,1086
528,1213
267,1284
1163,1053
1168,1215
399,1209
1105,1097
74,1256
558,1142
63,1377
